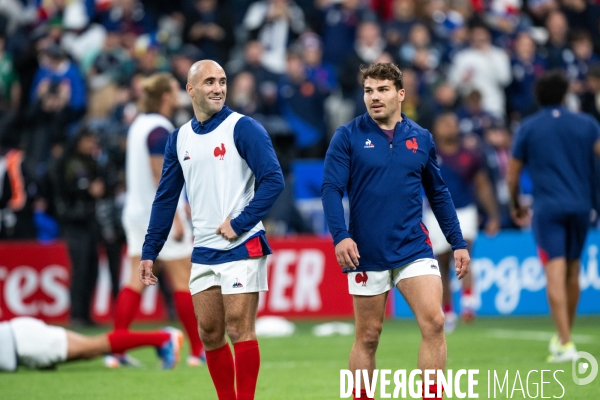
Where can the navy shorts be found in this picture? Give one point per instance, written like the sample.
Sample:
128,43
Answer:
560,235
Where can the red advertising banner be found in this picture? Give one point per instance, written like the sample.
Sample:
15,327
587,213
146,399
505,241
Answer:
34,281
304,282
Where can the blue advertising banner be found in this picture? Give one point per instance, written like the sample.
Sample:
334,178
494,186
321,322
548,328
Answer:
510,280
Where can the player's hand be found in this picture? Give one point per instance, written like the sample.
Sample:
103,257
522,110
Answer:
145,273
347,255
461,262
520,215
226,231
492,226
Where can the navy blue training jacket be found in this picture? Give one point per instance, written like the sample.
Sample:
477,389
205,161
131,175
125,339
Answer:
383,181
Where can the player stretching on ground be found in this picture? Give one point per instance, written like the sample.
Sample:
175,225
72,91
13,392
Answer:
557,147
220,155
31,343
382,158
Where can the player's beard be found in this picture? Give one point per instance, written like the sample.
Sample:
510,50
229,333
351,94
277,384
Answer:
385,115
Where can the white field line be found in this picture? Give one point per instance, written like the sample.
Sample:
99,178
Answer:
299,364
535,335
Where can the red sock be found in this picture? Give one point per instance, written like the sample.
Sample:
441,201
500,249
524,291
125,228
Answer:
363,394
447,308
128,303
467,291
220,366
247,364
185,311
433,391
121,341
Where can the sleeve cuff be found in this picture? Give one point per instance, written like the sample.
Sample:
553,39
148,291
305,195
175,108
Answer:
236,228
339,237
146,256
462,244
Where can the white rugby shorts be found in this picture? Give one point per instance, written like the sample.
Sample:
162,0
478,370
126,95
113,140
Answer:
172,250
243,276
39,345
371,283
468,220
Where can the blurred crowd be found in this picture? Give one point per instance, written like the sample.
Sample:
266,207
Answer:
70,73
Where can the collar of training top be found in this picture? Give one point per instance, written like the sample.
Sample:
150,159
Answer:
8,350
210,124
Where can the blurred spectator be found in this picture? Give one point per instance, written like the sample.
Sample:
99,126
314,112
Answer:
590,100
208,26
126,108
275,23
182,61
337,25
112,64
506,20
583,15
368,46
582,57
317,70
404,17
266,81
81,39
539,9
58,96
457,38
301,104
77,187
109,207
473,119
26,63
497,145
415,106
445,97
112,68
242,95
15,15
482,67
10,89
51,11
148,56
555,50
17,191
129,17
527,66
419,52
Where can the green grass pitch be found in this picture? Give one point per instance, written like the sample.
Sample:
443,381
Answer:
307,367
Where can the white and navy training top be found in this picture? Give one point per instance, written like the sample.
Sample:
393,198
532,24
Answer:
219,160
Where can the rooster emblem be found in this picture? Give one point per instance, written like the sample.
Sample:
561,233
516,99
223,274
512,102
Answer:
414,145
362,278
220,151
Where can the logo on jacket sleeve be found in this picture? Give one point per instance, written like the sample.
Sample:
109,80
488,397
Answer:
237,284
361,278
220,151
414,145
186,156
369,144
